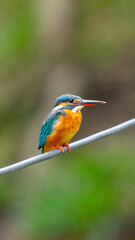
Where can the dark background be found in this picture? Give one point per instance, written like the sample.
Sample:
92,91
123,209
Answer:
49,48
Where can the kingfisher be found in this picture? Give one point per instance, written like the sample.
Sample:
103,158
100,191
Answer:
63,122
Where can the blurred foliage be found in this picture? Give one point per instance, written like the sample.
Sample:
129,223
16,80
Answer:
104,29
82,191
17,33
49,48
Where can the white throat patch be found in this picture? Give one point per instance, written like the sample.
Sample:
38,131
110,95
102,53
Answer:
77,109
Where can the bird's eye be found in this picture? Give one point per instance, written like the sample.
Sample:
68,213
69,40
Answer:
71,100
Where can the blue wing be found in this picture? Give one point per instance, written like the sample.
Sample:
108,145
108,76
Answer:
47,126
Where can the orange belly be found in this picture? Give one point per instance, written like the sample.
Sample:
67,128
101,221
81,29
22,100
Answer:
63,130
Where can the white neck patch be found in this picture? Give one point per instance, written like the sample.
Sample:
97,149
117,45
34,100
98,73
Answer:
57,108
75,109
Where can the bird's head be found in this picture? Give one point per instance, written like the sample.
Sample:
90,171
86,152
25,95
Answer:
74,103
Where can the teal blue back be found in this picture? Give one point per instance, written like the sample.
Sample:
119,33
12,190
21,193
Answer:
47,127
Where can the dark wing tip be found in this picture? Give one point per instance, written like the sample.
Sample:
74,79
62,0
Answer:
39,147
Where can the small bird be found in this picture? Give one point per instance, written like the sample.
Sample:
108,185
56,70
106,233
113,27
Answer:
63,122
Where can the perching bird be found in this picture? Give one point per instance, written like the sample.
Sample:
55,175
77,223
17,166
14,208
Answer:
63,122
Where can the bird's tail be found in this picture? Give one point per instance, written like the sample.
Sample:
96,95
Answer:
42,149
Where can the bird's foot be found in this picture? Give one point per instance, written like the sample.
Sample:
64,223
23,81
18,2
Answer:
67,147
62,149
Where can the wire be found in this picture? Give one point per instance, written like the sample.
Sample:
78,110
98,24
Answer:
77,144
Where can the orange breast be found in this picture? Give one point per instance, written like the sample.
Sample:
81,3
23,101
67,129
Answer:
64,130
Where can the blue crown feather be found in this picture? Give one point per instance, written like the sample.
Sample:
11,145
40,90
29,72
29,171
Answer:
66,98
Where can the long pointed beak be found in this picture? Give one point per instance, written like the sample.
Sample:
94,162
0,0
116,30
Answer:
90,102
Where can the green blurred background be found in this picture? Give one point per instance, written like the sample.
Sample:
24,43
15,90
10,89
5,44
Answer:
48,48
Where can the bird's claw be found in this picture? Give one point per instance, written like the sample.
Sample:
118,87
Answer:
62,149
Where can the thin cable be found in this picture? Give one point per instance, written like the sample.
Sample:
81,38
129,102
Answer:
45,156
